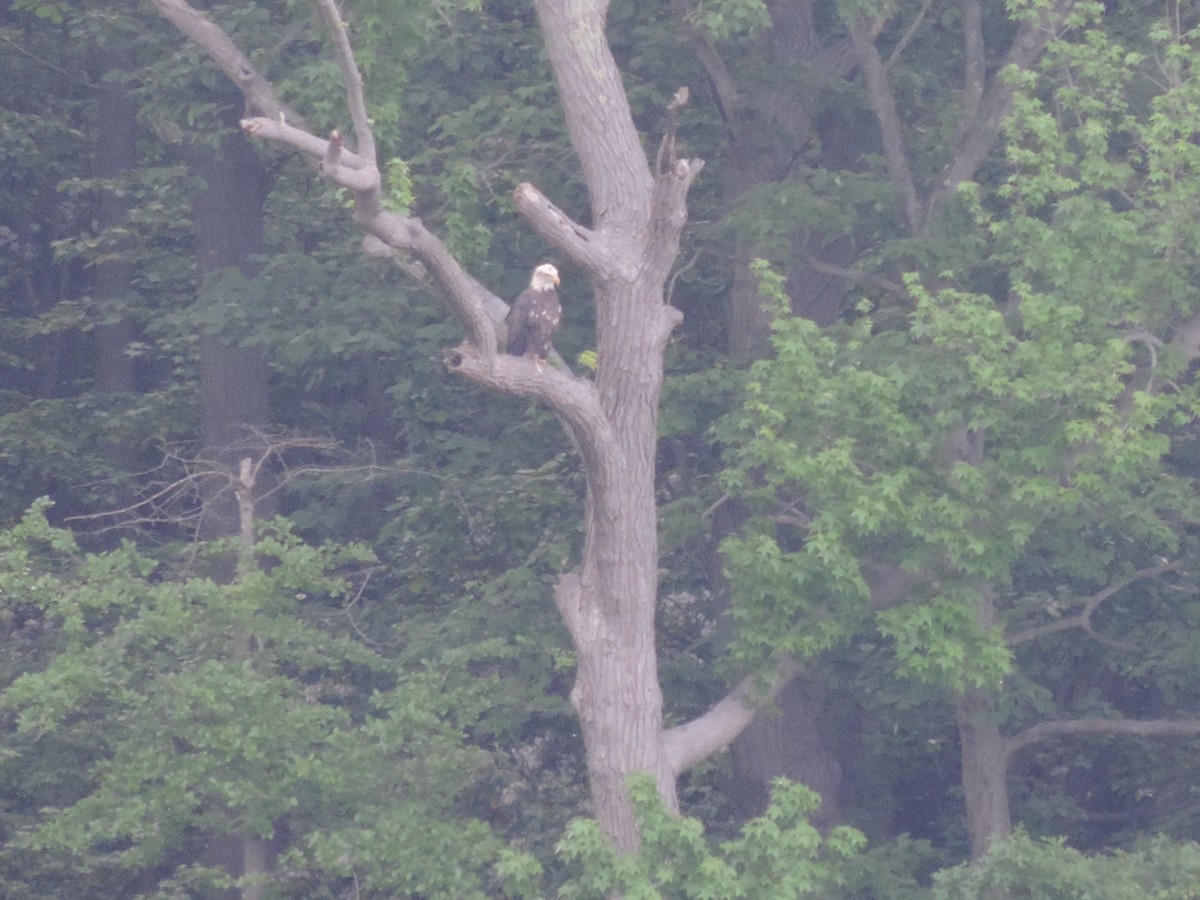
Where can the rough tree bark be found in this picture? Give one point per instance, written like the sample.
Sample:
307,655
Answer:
793,743
638,212
769,131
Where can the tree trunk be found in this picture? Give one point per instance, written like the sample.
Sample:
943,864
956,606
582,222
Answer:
617,693
112,279
986,104
768,130
228,218
789,743
984,770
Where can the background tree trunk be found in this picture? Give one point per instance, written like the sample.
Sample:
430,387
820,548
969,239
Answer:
228,219
984,770
788,743
112,279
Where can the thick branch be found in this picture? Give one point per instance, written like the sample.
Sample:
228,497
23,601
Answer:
1135,727
574,400
1083,619
668,204
973,74
666,149
597,112
260,95
480,312
351,78
698,739
891,129
980,135
343,168
909,32
469,300
581,244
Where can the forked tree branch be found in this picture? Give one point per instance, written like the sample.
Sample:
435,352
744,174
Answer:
599,121
981,132
668,207
478,310
328,155
984,105
637,217
582,244
1083,619
573,399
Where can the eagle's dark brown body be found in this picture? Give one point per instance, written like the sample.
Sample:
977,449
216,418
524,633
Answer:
535,315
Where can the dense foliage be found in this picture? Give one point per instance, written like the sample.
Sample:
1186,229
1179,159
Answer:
944,462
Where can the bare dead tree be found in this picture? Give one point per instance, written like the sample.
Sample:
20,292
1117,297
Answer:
638,211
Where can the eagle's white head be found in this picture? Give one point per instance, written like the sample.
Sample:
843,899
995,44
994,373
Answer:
545,277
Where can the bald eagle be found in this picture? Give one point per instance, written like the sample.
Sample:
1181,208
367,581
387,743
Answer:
533,319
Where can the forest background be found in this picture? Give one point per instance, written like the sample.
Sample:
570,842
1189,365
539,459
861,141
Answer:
305,592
